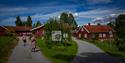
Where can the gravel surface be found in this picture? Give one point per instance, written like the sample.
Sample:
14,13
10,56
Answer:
23,54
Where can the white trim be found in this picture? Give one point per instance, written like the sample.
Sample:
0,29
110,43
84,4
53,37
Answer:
36,27
86,29
4,27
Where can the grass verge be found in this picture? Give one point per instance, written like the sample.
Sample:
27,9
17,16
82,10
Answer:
58,54
6,44
109,47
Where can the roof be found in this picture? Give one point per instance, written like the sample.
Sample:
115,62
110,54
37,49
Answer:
23,28
98,28
3,28
10,28
36,28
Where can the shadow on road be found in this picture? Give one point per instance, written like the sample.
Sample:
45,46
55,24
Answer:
97,58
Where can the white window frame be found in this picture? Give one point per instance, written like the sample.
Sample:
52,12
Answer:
85,35
104,35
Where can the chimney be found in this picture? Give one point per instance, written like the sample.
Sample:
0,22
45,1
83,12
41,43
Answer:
89,24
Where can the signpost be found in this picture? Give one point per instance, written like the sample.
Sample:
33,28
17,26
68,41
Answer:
56,36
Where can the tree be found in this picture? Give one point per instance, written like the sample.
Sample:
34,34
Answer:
29,21
64,17
68,18
37,24
72,21
120,31
18,21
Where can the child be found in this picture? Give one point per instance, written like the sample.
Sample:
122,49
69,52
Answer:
33,44
24,40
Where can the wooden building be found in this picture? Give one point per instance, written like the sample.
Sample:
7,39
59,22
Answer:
38,31
95,32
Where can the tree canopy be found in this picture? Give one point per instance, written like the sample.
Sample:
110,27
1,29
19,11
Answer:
38,23
19,22
119,26
69,19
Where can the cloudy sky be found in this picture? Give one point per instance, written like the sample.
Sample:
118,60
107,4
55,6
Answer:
85,11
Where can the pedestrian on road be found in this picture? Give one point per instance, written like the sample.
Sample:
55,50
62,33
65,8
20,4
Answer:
33,43
24,39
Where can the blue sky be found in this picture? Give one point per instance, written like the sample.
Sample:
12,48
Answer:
85,11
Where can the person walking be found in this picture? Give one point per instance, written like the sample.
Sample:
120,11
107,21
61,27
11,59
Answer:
24,40
33,43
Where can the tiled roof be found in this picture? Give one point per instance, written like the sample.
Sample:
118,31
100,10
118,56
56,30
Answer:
98,28
10,28
36,28
23,28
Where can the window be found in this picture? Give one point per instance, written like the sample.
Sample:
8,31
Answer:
104,35
79,35
85,35
100,35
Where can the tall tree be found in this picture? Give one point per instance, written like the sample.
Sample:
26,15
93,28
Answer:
37,24
120,29
18,21
72,21
64,17
68,18
29,21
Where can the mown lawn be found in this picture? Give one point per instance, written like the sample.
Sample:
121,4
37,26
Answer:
6,44
109,47
58,54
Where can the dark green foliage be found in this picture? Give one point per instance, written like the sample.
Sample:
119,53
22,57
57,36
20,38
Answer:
119,26
38,23
19,22
68,18
29,21
120,29
56,25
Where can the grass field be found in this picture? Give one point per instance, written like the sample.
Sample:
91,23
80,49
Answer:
109,47
6,44
58,54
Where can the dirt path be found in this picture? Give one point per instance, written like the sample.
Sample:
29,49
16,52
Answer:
23,54
89,53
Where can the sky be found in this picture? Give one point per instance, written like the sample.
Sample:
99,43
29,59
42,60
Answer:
84,11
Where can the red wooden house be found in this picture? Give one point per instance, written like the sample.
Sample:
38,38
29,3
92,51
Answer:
95,32
38,31
2,31
20,30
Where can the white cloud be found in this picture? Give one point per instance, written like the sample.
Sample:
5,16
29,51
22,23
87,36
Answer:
99,1
105,19
13,9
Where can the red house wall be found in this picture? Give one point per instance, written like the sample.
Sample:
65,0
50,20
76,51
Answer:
39,32
89,35
2,31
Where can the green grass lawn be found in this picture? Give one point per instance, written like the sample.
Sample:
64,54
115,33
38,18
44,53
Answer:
58,54
6,44
109,47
